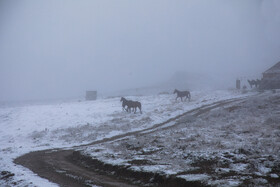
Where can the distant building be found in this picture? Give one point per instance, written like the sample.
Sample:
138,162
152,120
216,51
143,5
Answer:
91,95
271,78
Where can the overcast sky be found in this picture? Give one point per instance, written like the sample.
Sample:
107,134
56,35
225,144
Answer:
57,48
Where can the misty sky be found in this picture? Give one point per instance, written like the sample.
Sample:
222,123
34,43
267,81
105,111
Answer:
60,48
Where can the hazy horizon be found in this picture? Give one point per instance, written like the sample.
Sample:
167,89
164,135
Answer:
56,49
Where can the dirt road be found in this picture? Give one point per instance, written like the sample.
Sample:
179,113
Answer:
62,167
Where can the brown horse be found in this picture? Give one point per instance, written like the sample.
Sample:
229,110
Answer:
182,94
255,83
131,104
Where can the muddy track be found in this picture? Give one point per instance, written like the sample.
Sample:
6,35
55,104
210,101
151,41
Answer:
62,167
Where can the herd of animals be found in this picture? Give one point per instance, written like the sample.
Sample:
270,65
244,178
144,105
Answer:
255,83
129,105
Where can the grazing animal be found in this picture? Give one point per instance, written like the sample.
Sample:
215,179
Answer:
131,104
124,104
135,105
182,94
251,83
255,83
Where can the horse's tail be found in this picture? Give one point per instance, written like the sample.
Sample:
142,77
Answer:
140,107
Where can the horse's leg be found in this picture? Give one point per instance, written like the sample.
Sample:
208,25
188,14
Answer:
182,99
124,109
135,110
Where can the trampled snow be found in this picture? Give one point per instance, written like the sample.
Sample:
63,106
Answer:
61,125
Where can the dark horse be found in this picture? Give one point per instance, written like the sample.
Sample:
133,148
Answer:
130,104
182,94
255,83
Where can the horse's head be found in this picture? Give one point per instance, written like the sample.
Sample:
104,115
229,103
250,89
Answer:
175,91
123,99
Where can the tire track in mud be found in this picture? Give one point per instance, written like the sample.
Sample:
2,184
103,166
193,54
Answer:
57,165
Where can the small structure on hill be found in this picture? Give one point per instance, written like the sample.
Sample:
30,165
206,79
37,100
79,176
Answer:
271,78
91,95
238,83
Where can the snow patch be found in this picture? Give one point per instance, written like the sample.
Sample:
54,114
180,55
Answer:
194,177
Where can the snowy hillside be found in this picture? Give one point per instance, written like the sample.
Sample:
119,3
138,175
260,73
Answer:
237,144
37,127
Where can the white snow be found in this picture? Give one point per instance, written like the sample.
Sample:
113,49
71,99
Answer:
194,177
37,127
275,176
238,140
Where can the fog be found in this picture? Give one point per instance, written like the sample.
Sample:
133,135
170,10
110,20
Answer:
60,49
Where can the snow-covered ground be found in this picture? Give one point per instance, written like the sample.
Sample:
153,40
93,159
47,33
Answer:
236,144
61,125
